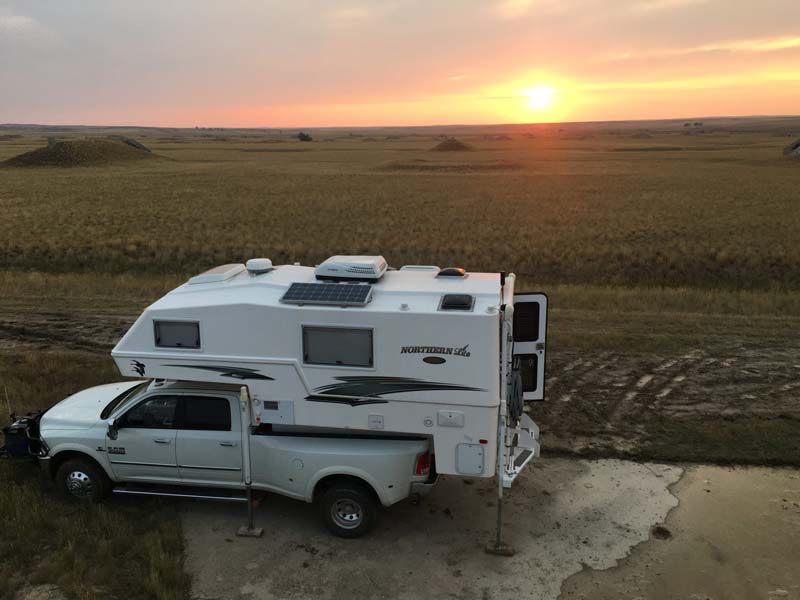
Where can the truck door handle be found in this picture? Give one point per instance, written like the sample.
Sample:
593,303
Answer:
227,443
161,441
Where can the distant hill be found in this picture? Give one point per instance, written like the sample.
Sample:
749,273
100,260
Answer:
89,152
451,145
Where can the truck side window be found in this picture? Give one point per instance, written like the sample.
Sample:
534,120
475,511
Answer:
157,412
205,413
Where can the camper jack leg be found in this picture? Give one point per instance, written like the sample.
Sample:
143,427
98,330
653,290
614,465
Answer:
250,530
498,547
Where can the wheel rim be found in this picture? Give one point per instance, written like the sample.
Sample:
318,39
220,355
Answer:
79,484
347,513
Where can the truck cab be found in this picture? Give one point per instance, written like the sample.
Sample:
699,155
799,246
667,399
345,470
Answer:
145,437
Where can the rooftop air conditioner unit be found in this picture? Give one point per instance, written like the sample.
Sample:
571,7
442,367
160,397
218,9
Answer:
352,268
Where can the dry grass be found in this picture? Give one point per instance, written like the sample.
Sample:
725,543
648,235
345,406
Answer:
576,211
116,550
119,550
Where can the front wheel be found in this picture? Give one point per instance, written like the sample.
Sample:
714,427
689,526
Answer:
348,510
81,479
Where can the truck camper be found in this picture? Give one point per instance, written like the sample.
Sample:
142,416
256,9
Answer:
347,385
356,345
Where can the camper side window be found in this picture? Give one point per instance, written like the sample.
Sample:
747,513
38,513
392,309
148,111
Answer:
177,334
338,346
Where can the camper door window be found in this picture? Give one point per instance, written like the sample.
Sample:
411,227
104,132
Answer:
177,334
337,346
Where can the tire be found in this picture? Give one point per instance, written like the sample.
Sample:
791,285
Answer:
515,404
348,509
80,479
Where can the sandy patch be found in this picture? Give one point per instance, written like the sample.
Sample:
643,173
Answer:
734,537
561,515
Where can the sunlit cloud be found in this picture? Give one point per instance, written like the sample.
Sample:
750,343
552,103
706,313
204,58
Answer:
358,14
693,83
21,29
750,45
660,5
510,9
364,62
14,24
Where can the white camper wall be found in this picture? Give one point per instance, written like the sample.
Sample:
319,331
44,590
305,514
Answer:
434,373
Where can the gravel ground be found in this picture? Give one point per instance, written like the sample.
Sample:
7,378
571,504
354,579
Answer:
562,515
733,537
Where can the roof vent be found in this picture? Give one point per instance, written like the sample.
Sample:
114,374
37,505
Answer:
431,268
463,302
452,272
257,266
352,268
217,274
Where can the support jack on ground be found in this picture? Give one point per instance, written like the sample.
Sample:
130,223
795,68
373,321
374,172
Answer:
497,546
250,530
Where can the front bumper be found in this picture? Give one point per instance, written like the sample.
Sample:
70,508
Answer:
46,466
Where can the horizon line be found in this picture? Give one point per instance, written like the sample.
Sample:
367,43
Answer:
421,126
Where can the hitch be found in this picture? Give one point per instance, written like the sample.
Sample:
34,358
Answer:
22,437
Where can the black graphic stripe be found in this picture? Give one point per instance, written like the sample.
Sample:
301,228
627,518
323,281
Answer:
350,401
375,387
233,372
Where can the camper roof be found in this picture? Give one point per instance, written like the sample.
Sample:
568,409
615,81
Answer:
414,289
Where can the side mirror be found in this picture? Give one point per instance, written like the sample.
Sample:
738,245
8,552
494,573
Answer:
113,429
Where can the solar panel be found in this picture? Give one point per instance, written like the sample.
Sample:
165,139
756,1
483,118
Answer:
338,294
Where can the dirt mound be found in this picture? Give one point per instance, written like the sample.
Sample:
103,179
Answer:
451,145
80,153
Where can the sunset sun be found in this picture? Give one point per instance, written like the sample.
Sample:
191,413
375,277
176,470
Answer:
540,97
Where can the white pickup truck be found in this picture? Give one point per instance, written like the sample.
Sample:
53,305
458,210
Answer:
150,437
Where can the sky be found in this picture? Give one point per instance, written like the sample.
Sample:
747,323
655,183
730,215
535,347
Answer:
314,63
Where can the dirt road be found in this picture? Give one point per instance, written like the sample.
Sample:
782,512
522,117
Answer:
598,530
561,515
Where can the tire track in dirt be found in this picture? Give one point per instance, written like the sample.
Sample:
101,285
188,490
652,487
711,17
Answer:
614,400
56,331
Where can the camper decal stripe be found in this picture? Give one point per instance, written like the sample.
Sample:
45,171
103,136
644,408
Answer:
234,372
375,387
350,401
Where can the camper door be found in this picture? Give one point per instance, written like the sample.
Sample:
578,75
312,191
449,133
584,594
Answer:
529,331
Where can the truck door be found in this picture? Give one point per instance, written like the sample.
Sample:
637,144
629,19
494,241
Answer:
209,448
145,446
529,333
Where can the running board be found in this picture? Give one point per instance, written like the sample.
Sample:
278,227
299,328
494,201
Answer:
168,492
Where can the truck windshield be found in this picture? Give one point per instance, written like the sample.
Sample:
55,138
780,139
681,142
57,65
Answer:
123,397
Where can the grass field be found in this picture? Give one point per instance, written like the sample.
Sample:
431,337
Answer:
671,261
712,211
